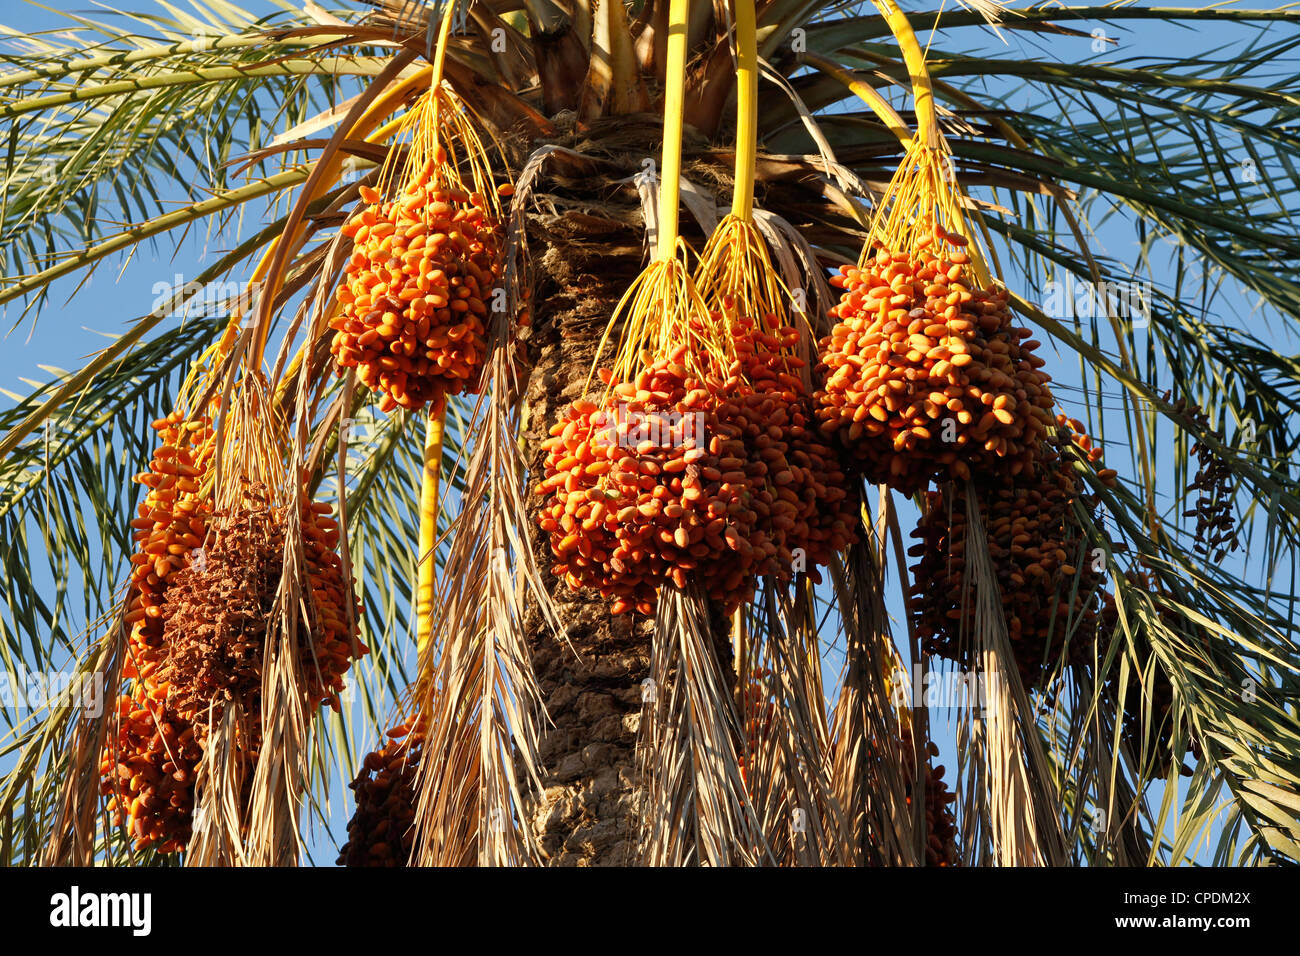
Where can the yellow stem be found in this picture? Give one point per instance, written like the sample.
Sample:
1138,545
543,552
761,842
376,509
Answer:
440,60
364,127
674,108
742,200
865,92
440,52
429,481
927,122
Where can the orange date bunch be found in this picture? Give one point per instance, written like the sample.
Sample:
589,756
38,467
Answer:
721,478
202,587
172,521
653,486
925,377
150,768
414,308
1040,554
813,508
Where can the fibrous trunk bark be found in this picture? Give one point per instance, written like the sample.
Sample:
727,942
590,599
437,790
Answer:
584,256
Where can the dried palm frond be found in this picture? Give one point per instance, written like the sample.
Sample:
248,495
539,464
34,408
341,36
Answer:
479,706
71,839
281,778
222,787
479,703
694,812
787,756
1014,794
872,773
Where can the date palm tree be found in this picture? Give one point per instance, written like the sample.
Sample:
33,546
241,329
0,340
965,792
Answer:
554,730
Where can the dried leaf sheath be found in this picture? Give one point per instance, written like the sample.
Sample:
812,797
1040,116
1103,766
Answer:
71,840
786,753
479,708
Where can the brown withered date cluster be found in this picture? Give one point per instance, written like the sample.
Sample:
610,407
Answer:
379,833
940,821
757,713
217,611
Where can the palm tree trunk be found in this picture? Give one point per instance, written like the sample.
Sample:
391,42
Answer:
587,243
583,257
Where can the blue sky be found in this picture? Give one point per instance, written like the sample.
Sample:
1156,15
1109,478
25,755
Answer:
78,317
